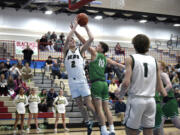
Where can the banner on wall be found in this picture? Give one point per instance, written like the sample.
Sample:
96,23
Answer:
21,45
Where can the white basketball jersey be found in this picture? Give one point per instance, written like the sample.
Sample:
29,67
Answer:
74,64
144,74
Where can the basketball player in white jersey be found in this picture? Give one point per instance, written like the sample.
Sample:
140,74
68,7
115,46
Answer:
76,75
141,77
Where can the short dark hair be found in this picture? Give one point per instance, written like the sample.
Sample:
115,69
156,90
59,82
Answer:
104,47
141,43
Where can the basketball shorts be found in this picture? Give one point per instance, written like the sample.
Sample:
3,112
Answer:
99,89
140,112
159,114
79,90
170,109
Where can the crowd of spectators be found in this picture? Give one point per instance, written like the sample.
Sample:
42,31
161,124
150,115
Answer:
13,77
51,42
56,67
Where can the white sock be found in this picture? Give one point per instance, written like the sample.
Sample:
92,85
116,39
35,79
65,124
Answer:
111,128
103,129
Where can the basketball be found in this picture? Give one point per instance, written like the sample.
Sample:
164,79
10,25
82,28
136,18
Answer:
82,19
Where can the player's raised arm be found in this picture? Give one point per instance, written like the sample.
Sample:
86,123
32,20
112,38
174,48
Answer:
88,42
115,63
91,50
69,37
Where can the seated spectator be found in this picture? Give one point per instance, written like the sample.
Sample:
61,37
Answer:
7,64
176,82
56,70
3,69
14,71
63,71
11,86
3,86
48,63
50,99
26,72
43,105
120,108
109,73
19,83
53,36
112,88
19,65
59,61
43,43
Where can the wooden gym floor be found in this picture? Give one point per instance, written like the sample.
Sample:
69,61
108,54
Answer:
82,131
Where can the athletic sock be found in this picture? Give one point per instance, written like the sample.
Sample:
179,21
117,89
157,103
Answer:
111,128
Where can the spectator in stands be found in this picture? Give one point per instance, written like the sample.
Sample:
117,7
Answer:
59,60
26,72
20,84
21,102
11,86
3,69
3,86
118,49
27,52
60,104
53,36
56,70
59,43
109,73
120,108
48,63
7,64
176,82
14,71
42,43
112,88
50,99
43,104
19,65
63,71
86,68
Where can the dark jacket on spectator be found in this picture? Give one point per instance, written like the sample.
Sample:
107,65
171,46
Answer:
120,107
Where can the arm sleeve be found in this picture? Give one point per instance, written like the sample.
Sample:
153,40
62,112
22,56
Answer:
66,102
54,103
16,100
39,100
26,101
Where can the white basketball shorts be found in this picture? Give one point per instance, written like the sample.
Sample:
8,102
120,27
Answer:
79,89
140,112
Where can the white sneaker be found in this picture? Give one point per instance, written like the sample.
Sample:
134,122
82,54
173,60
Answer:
27,130
14,132
66,129
55,130
22,131
38,130
105,133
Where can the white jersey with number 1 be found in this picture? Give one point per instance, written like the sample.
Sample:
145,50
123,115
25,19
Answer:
143,81
74,64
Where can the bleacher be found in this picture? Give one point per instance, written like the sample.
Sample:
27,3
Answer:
73,115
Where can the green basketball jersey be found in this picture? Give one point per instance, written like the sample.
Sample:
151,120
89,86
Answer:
97,68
